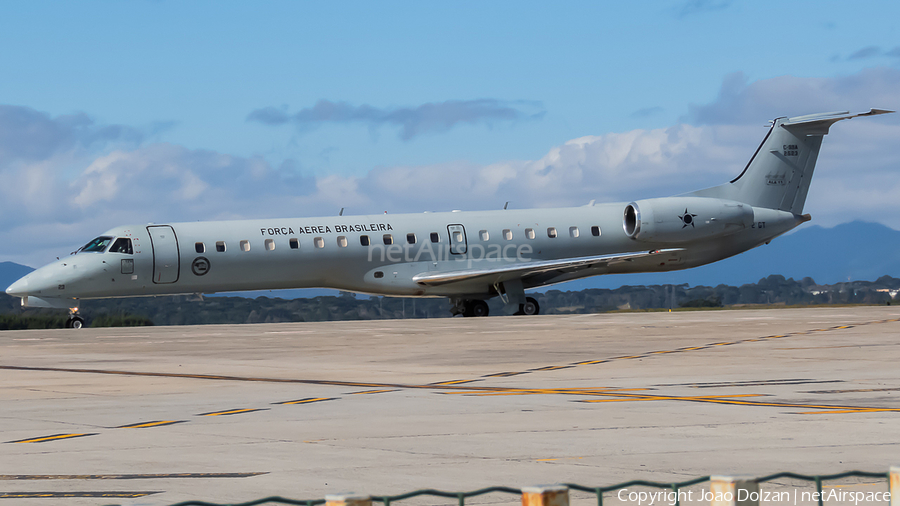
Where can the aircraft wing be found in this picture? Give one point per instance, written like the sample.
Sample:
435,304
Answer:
520,270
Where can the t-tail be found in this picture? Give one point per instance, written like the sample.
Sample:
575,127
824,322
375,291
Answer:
778,174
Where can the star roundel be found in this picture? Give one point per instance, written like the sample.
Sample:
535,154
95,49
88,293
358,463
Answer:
687,219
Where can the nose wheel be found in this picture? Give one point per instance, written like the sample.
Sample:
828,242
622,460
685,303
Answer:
74,321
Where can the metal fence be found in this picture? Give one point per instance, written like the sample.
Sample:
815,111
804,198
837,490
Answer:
461,497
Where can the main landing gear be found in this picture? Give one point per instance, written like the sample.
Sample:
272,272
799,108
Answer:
475,307
74,321
469,308
530,307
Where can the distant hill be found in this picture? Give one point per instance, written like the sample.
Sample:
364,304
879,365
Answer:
10,273
851,251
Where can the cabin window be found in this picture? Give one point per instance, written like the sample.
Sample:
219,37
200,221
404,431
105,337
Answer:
388,239
319,242
270,244
484,235
595,231
295,244
199,247
379,274
122,245
245,245
551,232
529,233
435,237
342,241
364,240
411,238
220,246
507,234
573,232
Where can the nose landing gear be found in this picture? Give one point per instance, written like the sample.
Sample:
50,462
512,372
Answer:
74,321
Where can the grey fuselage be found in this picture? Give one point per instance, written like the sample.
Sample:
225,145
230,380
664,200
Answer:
329,253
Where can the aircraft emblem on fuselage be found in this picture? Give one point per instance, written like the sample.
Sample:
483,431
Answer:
200,266
687,218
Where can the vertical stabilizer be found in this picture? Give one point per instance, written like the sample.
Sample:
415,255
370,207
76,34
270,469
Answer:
778,175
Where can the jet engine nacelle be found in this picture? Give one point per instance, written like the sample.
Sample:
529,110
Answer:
681,219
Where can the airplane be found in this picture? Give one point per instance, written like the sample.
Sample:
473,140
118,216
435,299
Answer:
468,257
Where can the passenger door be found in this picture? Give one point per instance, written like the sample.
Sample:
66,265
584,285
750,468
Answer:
166,263
458,244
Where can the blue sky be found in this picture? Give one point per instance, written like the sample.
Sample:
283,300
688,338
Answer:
132,112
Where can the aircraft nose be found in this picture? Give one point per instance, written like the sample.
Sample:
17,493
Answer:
19,288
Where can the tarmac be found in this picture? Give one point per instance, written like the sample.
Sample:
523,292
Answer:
228,414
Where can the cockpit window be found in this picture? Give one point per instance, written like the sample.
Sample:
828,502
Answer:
98,245
122,245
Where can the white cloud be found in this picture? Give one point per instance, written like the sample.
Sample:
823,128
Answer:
60,192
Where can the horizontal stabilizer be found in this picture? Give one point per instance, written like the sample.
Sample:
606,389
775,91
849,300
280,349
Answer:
520,270
818,124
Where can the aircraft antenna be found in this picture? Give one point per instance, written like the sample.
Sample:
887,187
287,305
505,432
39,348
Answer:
505,205
342,212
